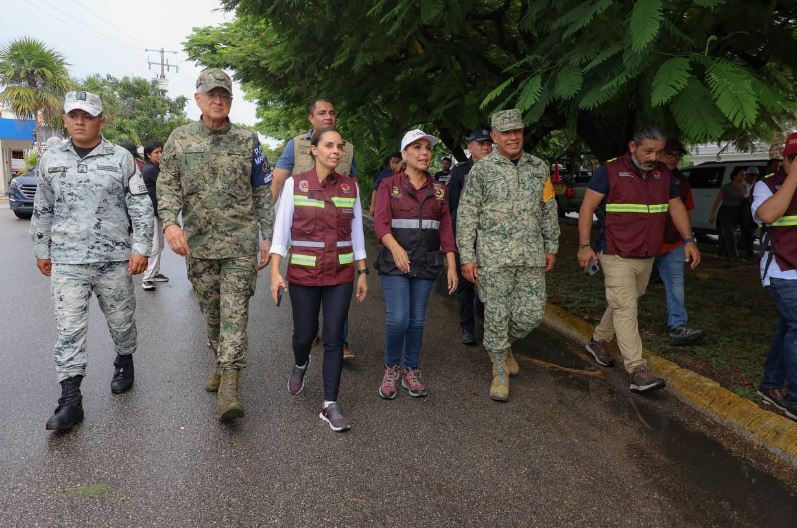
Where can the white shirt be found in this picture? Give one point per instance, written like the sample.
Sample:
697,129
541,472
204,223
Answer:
761,194
281,240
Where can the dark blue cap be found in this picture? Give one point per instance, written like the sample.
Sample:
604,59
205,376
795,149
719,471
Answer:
480,134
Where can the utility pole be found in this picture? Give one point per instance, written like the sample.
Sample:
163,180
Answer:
165,66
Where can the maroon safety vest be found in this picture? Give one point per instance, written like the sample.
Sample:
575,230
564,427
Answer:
636,208
783,231
321,245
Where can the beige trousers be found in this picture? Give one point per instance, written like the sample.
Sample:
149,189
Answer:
626,280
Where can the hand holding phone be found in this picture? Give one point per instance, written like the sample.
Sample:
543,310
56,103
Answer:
593,267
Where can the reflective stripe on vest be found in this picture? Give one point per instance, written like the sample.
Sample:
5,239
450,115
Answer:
306,243
340,201
636,208
346,258
304,201
785,221
344,243
303,260
409,223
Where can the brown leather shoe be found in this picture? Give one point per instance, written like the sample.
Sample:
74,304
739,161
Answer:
348,353
599,350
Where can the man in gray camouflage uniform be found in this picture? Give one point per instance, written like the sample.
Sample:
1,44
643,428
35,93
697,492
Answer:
508,211
87,189
216,174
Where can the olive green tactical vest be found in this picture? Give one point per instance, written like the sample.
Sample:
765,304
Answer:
303,161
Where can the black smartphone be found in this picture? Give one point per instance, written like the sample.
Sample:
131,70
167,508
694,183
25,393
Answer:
593,267
279,296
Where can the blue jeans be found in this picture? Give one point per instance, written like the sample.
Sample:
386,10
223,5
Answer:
671,271
405,317
781,364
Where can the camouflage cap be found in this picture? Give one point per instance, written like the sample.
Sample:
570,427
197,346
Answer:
211,78
504,120
86,101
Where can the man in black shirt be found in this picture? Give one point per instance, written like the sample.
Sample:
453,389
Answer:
444,174
479,145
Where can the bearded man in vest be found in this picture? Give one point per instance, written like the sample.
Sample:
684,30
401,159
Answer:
633,195
296,159
775,207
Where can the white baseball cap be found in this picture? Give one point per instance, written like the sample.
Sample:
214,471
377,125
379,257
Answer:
81,100
414,135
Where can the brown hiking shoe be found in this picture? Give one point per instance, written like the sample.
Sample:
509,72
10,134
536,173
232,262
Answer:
213,379
644,381
348,353
228,405
599,350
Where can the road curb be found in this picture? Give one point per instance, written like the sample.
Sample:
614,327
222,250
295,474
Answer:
775,432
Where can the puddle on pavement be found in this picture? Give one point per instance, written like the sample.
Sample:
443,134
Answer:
728,488
546,346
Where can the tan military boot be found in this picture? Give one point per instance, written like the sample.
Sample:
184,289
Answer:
229,407
510,362
499,388
213,379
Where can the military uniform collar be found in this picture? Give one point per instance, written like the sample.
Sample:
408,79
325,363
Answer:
103,147
525,157
214,131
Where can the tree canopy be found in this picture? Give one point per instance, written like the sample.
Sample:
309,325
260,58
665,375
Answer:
704,70
136,108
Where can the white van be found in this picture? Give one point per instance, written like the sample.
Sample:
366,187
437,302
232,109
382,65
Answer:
706,180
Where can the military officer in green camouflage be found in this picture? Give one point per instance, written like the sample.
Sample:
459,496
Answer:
90,196
508,211
216,174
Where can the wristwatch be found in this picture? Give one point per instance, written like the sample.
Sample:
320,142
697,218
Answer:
363,271
693,240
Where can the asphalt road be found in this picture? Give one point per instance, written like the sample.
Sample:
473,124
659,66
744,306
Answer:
569,449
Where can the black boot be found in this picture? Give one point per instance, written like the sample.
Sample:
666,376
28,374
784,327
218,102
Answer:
123,375
70,406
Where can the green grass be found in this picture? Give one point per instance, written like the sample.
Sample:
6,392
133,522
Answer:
727,301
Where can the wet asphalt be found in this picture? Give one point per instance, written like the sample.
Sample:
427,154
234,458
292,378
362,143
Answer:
571,448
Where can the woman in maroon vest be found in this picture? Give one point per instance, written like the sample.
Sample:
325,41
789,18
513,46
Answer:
319,217
413,224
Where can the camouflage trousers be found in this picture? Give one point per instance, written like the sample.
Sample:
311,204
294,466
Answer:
71,286
514,303
223,288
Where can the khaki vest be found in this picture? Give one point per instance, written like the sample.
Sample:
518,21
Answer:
303,161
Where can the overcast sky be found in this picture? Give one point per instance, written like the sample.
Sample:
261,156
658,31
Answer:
109,37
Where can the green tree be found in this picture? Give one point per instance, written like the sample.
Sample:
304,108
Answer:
35,79
136,108
594,69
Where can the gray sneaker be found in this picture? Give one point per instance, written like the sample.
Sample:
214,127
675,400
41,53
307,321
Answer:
683,335
333,416
643,381
296,378
599,350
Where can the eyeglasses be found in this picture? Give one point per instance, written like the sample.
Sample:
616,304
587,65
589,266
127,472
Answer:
223,97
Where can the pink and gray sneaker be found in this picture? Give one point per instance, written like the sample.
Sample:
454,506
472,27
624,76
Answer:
411,380
388,390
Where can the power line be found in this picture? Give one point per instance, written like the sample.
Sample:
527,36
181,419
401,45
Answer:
81,24
87,8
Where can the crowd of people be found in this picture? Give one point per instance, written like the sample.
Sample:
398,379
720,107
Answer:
490,225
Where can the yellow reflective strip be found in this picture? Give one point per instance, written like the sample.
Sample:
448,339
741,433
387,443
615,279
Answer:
304,201
340,201
636,208
302,260
785,221
346,258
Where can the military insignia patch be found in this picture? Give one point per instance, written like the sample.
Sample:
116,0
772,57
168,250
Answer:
657,174
82,168
547,190
304,185
346,188
136,184
395,192
439,191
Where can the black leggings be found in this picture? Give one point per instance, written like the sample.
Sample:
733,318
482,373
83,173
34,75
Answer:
306,302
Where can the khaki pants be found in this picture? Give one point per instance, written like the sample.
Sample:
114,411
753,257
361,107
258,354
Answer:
626,281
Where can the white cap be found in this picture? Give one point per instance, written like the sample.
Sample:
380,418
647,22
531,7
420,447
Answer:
80,100
414,135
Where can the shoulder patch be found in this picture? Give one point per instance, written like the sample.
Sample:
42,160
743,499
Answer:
547,191
136,184
439,191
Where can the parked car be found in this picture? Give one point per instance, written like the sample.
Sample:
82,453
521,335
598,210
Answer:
706,180
575,186
21,191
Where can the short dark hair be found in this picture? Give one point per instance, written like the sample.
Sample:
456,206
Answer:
150,147
648,132
396,155
311,108
674,145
